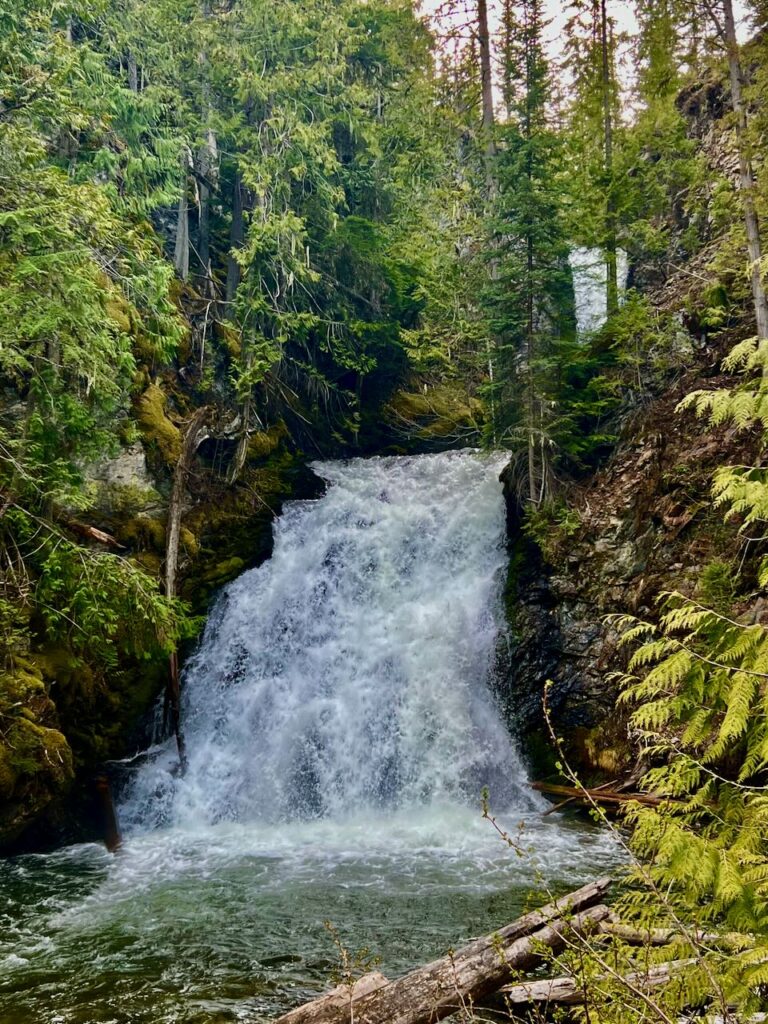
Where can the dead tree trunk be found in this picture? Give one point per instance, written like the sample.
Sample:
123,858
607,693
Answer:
338,999
133,72
236,235
208,167
611,261
447,985
570,992
181,250
746,172
486,82
603,796
194,434
112,837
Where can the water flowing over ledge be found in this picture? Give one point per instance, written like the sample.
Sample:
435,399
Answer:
340,725
351,672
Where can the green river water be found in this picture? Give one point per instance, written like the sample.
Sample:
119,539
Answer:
351,673
227,924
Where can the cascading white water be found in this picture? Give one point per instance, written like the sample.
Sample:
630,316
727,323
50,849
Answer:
339,726
351,671
589,286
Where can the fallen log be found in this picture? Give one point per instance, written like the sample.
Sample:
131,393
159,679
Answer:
93,533
605,796
570,799
557,991
446,985
664,936
570,992
337,999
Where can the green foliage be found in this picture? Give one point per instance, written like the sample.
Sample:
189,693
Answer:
551,526
696,687
104,607
717,585
82,284
641,340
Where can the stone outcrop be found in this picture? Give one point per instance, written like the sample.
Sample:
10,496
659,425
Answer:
642,525
36,766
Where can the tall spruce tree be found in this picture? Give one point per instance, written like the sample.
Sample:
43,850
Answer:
592,124
530,292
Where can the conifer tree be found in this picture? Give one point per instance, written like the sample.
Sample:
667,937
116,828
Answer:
531,290
721,14
592,117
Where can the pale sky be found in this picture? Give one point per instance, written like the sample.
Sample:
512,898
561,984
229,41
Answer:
622,12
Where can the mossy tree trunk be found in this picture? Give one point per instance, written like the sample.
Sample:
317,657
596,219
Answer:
194,434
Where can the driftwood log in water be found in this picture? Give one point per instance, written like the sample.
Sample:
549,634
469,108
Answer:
329,1005
445,986
600,796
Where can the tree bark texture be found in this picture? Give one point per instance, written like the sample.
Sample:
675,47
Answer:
746,171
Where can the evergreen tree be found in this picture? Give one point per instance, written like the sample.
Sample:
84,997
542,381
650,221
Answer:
530,292
592,127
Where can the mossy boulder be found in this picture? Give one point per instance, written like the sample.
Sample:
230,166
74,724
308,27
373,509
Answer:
435,416
36,765
265,442
143,533
229,528
159,431
98,713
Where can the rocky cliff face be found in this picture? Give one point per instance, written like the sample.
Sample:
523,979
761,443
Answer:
643,525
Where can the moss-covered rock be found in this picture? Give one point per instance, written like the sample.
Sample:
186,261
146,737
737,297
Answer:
142,533
98,712
435,416
158,429
36,765
265,442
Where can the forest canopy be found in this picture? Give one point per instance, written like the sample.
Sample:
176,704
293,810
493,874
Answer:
245,232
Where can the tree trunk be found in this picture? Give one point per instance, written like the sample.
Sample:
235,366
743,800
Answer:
448,985
486,83
181,250
605,796
570,992
236,235
133,73
194,434
611,262
112,838
207,163
489,144
507,57
746,172
338,999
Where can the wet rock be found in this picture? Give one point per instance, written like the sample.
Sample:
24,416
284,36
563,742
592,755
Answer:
35,759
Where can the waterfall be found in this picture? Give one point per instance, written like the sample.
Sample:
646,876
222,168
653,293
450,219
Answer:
589,286
351,672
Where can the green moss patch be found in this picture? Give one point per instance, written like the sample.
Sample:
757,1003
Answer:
155,425
36,764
